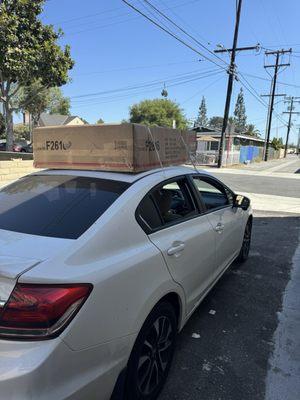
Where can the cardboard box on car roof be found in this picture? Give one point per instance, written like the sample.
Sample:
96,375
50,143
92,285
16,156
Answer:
123,148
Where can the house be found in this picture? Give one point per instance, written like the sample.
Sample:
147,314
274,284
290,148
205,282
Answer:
238,147
58,120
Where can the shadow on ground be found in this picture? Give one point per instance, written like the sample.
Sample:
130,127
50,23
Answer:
230,360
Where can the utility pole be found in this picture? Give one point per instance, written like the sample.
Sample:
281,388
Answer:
291,100
268,116
273,90
231,73
231,77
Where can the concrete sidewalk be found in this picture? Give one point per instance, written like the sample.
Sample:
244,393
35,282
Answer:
285,168
280,204
283,379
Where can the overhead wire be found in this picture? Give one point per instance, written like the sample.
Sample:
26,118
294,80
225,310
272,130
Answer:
140,67
184,78
112,99
184,31
171,34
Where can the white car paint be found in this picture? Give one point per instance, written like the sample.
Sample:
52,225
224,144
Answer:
130,272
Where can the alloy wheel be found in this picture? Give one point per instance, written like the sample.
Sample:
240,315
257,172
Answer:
155,355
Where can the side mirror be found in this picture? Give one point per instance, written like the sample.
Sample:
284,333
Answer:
242,202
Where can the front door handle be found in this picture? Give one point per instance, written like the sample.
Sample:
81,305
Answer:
176,249
219,227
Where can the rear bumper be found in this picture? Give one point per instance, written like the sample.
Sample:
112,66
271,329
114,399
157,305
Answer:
50,370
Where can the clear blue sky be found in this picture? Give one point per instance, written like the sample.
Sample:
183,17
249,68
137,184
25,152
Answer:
114,48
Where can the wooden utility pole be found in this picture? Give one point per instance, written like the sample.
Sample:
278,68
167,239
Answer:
276,67
269,95
291,100
231,72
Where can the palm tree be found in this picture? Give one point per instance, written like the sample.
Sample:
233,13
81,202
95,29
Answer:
251,130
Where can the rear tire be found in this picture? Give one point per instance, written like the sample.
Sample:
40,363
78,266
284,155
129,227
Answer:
152,354
244,252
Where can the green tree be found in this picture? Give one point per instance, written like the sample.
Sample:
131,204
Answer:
240,117
100,121
251,130
202,119
36,99
29,52
161,112
21,132
58,104
277,144
216,122
33,99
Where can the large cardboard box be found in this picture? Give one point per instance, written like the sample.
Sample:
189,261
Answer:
124,147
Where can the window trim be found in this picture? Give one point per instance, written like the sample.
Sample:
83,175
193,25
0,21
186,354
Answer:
209,179
195,203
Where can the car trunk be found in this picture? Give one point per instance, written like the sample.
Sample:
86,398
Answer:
20,252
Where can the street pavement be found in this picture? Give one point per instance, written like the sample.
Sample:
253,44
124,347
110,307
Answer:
249,349
270,186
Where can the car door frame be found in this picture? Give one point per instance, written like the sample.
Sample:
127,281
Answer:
195,200
210,179
204,286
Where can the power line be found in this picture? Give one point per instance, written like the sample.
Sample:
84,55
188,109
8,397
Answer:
202,90
269,80
136,68
291,101
171,34
276,67
183,30
114,98
231,77
112,10
176,79
257,97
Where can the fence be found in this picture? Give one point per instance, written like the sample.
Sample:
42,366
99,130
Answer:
244,155
14,169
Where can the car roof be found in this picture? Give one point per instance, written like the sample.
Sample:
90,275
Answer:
120,176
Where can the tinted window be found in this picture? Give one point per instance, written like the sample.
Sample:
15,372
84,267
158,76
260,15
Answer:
57,206
148,214
213,194
174,201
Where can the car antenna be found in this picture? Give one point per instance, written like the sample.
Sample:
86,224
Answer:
192,159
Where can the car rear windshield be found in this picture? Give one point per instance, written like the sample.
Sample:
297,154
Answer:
56,205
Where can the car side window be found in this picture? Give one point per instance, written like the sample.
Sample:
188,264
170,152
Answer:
212,193
174,201
148,215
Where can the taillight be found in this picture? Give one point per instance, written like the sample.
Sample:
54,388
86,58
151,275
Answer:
41,311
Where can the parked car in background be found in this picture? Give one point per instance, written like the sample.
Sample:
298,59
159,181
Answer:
99,271
19,146
28,148
2,146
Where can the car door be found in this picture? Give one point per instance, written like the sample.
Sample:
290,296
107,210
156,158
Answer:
185,237
226,221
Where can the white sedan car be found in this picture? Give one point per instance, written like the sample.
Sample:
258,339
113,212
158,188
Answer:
98,273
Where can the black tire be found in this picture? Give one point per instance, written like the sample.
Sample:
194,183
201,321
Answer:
244,252
152,354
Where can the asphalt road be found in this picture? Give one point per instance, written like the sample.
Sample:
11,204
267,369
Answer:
278,179
230,360
273,185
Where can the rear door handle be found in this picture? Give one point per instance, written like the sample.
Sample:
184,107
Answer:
219,228
176,249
